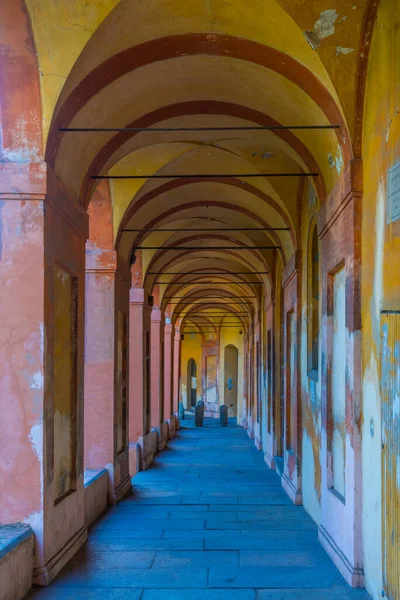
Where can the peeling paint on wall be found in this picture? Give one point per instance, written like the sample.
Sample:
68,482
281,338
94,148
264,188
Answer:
323,28
340,50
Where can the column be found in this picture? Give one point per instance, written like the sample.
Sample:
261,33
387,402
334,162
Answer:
168,378
42,269
106,373
176,373
291,289
157,376
139,381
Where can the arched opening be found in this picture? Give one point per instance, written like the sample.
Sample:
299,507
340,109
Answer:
191,384
231,356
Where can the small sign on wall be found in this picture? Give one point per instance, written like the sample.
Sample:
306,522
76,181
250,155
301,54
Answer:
393,205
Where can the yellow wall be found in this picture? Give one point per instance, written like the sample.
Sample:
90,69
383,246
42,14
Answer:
232,336
381,264
191,348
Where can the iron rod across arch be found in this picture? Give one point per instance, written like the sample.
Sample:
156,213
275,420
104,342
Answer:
189,229
172,129
206,248
210,273
205,176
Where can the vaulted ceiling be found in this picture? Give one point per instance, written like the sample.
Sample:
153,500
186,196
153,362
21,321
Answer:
218,65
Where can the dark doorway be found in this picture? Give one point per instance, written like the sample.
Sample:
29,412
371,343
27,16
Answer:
191,383
231,375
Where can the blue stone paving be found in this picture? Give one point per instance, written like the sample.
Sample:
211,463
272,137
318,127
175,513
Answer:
208,521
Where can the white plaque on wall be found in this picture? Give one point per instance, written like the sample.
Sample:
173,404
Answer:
393,204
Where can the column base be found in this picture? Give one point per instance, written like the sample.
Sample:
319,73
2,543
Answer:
120,491
177,422
134,458
257,443
171,427
162,437
353,575
294,494
269,460
148,448
44,575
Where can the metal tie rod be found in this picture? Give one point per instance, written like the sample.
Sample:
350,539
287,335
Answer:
207,229
210,273
211,302
194,282
189,299
205,176
167,129
207,248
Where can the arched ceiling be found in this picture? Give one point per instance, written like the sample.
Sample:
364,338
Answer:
172,64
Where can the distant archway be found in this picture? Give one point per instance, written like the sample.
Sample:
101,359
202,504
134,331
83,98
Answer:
191,385
231,379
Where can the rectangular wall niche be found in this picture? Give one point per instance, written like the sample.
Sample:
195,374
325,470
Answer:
121,382
258,382
65,380
393,203
270,377
338,383
291,417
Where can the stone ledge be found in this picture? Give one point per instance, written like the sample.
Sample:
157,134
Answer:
16,560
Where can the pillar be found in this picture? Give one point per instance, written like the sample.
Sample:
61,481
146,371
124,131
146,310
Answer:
176,373
106,373
270,442
209,376
139,380
291,283
168,377
42,274
157,376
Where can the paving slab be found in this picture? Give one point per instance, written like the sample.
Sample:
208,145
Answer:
209,594
207,558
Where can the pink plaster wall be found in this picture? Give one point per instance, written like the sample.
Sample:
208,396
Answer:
157,364
22,357
168,366
176,374
291,478
139,325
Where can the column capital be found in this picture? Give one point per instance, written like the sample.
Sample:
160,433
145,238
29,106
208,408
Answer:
156,315
100,259
137,296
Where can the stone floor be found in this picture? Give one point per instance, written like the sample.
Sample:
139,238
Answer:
209,521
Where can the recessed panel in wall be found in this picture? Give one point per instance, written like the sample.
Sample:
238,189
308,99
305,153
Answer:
65,380
121,376
393,193
338,383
